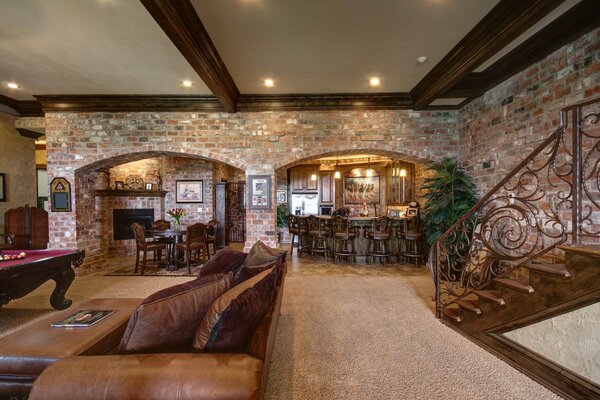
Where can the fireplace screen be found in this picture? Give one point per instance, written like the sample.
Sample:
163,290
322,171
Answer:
123,218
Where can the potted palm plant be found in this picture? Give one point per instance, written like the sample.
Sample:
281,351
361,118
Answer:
449,194
282,219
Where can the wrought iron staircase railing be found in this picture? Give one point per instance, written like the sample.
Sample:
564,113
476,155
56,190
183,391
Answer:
550,198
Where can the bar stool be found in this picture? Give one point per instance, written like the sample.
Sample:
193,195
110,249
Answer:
412,242
378,238
344,236
298,231
319,231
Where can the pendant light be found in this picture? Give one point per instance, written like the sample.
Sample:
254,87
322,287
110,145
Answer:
337,174
369,170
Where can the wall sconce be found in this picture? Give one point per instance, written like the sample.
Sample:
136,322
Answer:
337,174
402,172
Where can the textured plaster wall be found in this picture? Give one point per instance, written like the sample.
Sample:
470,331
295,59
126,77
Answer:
571,340
17,161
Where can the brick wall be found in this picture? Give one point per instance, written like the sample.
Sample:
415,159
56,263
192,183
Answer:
257,143
502,127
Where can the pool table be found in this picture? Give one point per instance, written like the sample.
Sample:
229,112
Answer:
20,277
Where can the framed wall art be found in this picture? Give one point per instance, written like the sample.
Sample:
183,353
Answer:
60,195
281,196
189,191
358,190
259,192
2,187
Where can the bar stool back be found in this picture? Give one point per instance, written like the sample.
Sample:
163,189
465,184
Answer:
378,238
298,229
412,242
319,231
344,236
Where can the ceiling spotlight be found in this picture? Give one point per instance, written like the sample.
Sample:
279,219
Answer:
374,81
13,85
422,59
269,83
187,83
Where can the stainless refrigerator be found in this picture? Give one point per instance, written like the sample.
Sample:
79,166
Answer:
305,203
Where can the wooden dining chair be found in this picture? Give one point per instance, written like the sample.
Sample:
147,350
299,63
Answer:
195,243
162,225
142,245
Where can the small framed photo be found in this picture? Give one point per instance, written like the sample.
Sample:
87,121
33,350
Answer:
397,211
259,192
119,185
2,187
189,191
412,212
148,186
281,196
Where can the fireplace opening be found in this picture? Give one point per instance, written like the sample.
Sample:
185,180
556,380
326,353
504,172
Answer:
123,218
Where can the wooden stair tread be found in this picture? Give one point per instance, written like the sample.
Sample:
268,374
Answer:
588,250
492,295
517,284
551,269
452,313
471,305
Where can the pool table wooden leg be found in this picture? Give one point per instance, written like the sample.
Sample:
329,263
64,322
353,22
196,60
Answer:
63,280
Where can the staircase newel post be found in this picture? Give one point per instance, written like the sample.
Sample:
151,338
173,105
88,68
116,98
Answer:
577,171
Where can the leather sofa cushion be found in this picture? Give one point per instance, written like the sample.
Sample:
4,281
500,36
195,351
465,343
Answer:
231,320
224,261
167,320
261,254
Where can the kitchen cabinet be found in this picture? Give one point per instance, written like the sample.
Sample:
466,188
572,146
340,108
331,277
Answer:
327,188
300,179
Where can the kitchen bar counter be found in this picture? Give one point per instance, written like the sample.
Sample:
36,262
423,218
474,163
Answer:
363,224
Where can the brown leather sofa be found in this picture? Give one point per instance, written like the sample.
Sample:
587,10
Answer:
171,375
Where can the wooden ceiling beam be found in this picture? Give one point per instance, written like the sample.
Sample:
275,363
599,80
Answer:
504,23
180,21
337,101
25,108
580,19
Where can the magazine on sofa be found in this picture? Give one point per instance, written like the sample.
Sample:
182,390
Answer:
83,319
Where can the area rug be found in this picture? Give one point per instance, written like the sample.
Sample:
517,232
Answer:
155,270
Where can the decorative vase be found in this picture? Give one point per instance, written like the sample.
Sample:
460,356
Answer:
177,224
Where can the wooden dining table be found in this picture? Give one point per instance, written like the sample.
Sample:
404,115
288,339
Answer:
176,235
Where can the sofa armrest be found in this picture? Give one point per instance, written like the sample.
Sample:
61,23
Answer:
151,376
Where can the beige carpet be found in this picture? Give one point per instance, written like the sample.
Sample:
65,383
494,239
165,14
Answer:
377,338
343,337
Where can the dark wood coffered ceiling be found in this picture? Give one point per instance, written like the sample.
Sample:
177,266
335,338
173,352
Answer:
453,77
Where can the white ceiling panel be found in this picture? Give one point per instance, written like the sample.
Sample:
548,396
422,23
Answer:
88,47
335,46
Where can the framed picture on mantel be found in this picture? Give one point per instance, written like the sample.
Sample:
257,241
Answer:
259,192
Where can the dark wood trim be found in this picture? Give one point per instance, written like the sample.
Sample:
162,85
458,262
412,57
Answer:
337,101
127,103
30,134
40,147
30,108
130,193
41,166
180,21
504,23
580,19
9,102
25,108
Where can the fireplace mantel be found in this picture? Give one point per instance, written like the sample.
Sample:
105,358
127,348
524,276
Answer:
131,193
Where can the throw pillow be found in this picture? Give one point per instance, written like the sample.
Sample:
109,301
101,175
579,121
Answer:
230,322
167,320
244,273
224,261
261,254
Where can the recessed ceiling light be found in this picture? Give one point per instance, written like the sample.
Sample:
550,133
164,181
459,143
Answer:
269,83
374,81
422,59
187,83
13,85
